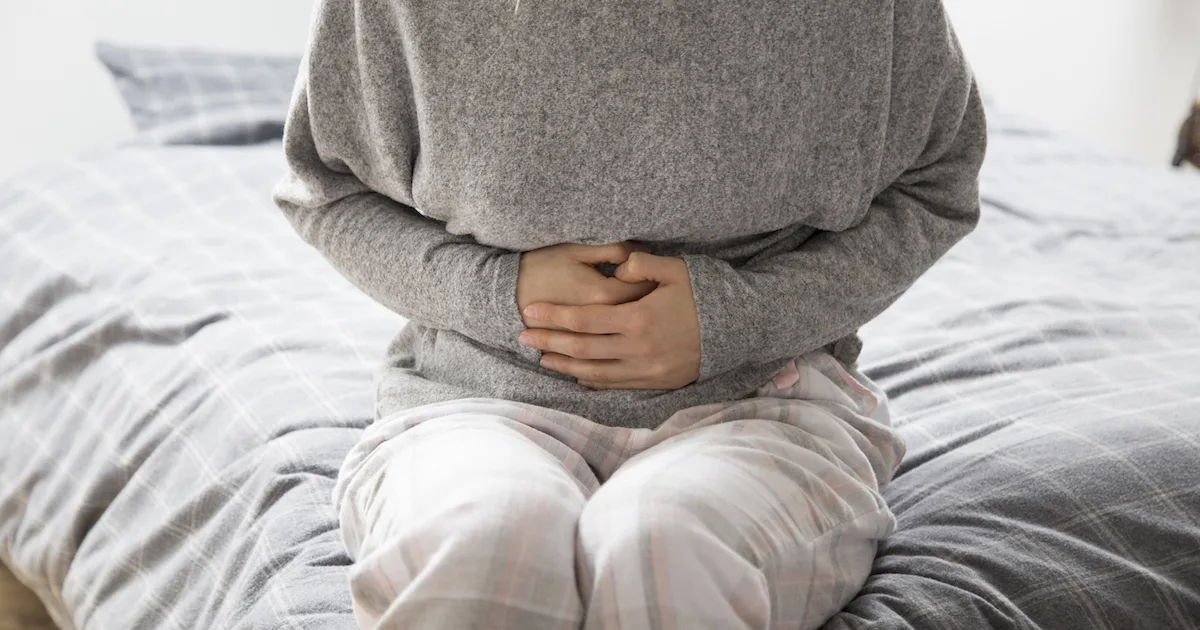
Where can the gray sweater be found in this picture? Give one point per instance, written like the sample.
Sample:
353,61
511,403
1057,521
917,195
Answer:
808,159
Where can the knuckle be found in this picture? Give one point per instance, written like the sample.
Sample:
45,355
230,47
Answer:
575,347
659,369
599,322
602,295
637,323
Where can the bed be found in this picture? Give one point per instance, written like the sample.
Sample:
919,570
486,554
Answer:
180,378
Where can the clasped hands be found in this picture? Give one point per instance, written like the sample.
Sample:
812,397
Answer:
637,330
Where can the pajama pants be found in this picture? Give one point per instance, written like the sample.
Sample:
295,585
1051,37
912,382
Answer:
757,513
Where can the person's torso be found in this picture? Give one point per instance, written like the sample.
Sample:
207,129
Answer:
714,126
708,127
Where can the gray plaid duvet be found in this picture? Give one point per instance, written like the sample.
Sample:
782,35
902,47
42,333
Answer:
180,378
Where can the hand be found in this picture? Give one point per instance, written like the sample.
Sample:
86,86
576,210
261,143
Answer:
566,274
653,343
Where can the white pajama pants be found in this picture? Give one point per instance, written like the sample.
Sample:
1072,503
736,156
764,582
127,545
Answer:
760,513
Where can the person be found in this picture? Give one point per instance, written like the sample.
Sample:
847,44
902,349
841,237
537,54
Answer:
634,243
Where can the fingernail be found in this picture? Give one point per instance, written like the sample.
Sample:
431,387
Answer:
587,384
544,361
525,340
530,312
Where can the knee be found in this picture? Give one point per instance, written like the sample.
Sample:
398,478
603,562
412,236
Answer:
499,510
448,528
627,524
495,489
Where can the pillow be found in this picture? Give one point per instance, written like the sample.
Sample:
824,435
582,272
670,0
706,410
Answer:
196,97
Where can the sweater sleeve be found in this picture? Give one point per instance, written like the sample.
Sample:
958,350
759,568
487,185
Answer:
350,124
835,282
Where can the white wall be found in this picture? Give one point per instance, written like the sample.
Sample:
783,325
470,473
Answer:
56,100
1115,72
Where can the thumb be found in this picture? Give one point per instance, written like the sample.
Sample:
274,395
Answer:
642,267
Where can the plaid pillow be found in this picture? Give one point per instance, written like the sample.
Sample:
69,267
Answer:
195,97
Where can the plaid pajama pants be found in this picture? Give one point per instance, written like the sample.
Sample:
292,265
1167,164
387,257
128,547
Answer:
756,513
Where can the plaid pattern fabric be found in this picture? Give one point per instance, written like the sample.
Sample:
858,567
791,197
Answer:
195,97
1046,377
181,379
760,513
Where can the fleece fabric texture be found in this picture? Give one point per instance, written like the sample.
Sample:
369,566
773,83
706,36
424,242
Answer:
809,160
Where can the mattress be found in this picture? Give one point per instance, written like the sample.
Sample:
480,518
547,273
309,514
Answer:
180,378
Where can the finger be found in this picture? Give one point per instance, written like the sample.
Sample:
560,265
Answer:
589,370
576,345
593,319
615,253
619,292
641,267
